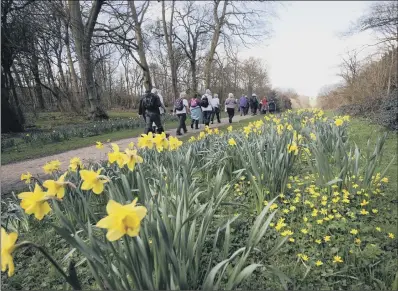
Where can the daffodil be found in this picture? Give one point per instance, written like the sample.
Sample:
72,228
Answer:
354,231
132,158
384,180
327,238
26,177
51,167
292,148
117,156
337,259
318,241
122,219
131,145
232,142
318,263
364,212
145,141
35,202
161,142
338,122
99,145
357,241
391,235
8,241
174,143
75,163
229,128
378,228
56,188
93,180
313,136
364,202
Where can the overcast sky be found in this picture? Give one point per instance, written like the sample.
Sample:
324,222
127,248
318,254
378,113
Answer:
305,50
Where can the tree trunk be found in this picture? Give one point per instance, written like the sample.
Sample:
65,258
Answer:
169,42
20,115
73,75
219,22
194,78
140,43
82,36
9,118
34,67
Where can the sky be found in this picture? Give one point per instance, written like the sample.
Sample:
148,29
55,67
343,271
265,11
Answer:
305,48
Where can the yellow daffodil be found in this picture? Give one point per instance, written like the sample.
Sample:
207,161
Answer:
378,228
122,219
391,235
337,259
35,202
51,167
192,139
303,230
117,156
131,145
232,142
145,141
375,211
93,180
318,241
75,164
384,180
364,212
56,188
364,203
357,241
327,238
318,263
132,159
8,241
304,258
99,145
273,206
174,143
292,148
161,142
291,239
229,128
338,122
26,177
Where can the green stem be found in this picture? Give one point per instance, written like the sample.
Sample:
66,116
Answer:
52,261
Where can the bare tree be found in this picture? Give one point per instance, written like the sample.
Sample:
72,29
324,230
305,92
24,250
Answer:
82,35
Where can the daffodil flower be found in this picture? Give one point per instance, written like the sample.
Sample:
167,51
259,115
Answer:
232,142
7,247
75,164
146,141
51,167
161,142
26,177
56,188
99,145
93,180
132,158
35,202
117,156
122,219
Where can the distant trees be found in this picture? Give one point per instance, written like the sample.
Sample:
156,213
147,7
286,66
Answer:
89,56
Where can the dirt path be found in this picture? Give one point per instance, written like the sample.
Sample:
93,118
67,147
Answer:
11,173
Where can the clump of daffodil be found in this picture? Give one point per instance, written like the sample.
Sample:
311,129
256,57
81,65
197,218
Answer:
35,202
122,219
132,158
93,181
292,148
232,142
174,143
26,177
51,167
56,188
8,241
229,128
75,164
339,122
117,156
192,139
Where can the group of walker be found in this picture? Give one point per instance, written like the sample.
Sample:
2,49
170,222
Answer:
202,109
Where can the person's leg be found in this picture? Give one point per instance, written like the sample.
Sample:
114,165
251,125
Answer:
179,124
197,124
158,122
232,114
148,123
192,122
213,112
218,112
207,117
184,126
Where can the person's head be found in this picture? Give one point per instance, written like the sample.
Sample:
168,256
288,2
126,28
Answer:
254,95
183,95
154,90
230,95
215,95
208,92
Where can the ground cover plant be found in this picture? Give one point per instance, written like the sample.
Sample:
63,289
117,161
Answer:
286,202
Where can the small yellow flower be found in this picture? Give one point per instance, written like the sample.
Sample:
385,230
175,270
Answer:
8,241
122,219
93,180
354,231
337,259
357,241
108,140
364,212
313,136
274,206
75,163
327,238
318,263
305,219
132,158
391,235
229,128
26,177
304,258
99,145
232,142
56,188
291,239
51,167
378,228
364,202
265,202
384,180
338,122
35,202
303,230
375,211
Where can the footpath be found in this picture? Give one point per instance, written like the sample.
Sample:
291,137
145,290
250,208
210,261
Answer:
11,173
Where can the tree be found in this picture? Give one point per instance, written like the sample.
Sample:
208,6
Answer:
82,35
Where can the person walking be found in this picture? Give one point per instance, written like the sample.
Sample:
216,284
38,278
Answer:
247,105
215,103
207,109
264,104
149,109
196,112
230,105
254,104
242,105
181,108
161,109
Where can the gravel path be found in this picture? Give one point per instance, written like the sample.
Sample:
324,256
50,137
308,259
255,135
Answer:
11,173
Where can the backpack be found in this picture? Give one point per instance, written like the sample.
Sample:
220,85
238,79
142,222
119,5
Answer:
253,100
179,104
194,102
149,101
205,102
